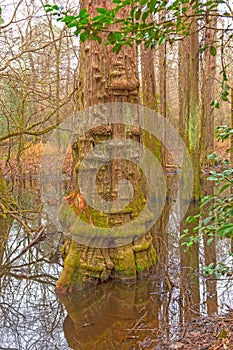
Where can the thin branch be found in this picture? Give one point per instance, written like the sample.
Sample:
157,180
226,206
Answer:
13,16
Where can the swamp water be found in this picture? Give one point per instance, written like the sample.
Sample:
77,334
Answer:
113,315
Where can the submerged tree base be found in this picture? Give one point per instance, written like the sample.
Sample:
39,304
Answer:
84,266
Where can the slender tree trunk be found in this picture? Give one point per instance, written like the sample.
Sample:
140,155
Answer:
207,147
160,233
189,129
184,87
208,93
193,127
231,151
149,98
149,86
150,95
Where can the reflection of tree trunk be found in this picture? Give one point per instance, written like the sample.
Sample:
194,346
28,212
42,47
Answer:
210,256
106,319
189,272
106,77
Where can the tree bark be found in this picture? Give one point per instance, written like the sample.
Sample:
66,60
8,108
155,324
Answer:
105,77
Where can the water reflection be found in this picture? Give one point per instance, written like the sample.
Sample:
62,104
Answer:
210,256
190,272
140,316
30,315
113,316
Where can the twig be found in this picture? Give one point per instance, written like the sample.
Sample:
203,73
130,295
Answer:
31,244
138,322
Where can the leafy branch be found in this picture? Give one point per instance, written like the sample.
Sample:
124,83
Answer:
218,222
141,24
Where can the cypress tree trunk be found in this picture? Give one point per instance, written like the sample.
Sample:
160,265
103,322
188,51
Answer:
106,77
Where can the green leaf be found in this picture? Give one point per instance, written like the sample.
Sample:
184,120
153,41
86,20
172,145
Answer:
96,38
192,218
83,37
84,20
213,51
1,20
117,48
162,40
118,36
77,32
184,9
56,7
138,14
71,25
102,10
208,3
112,38
209,241
215,104
226,231
212,178
145,15
49,9
224,187
154,44
205,200
68,19
224,97
151,5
